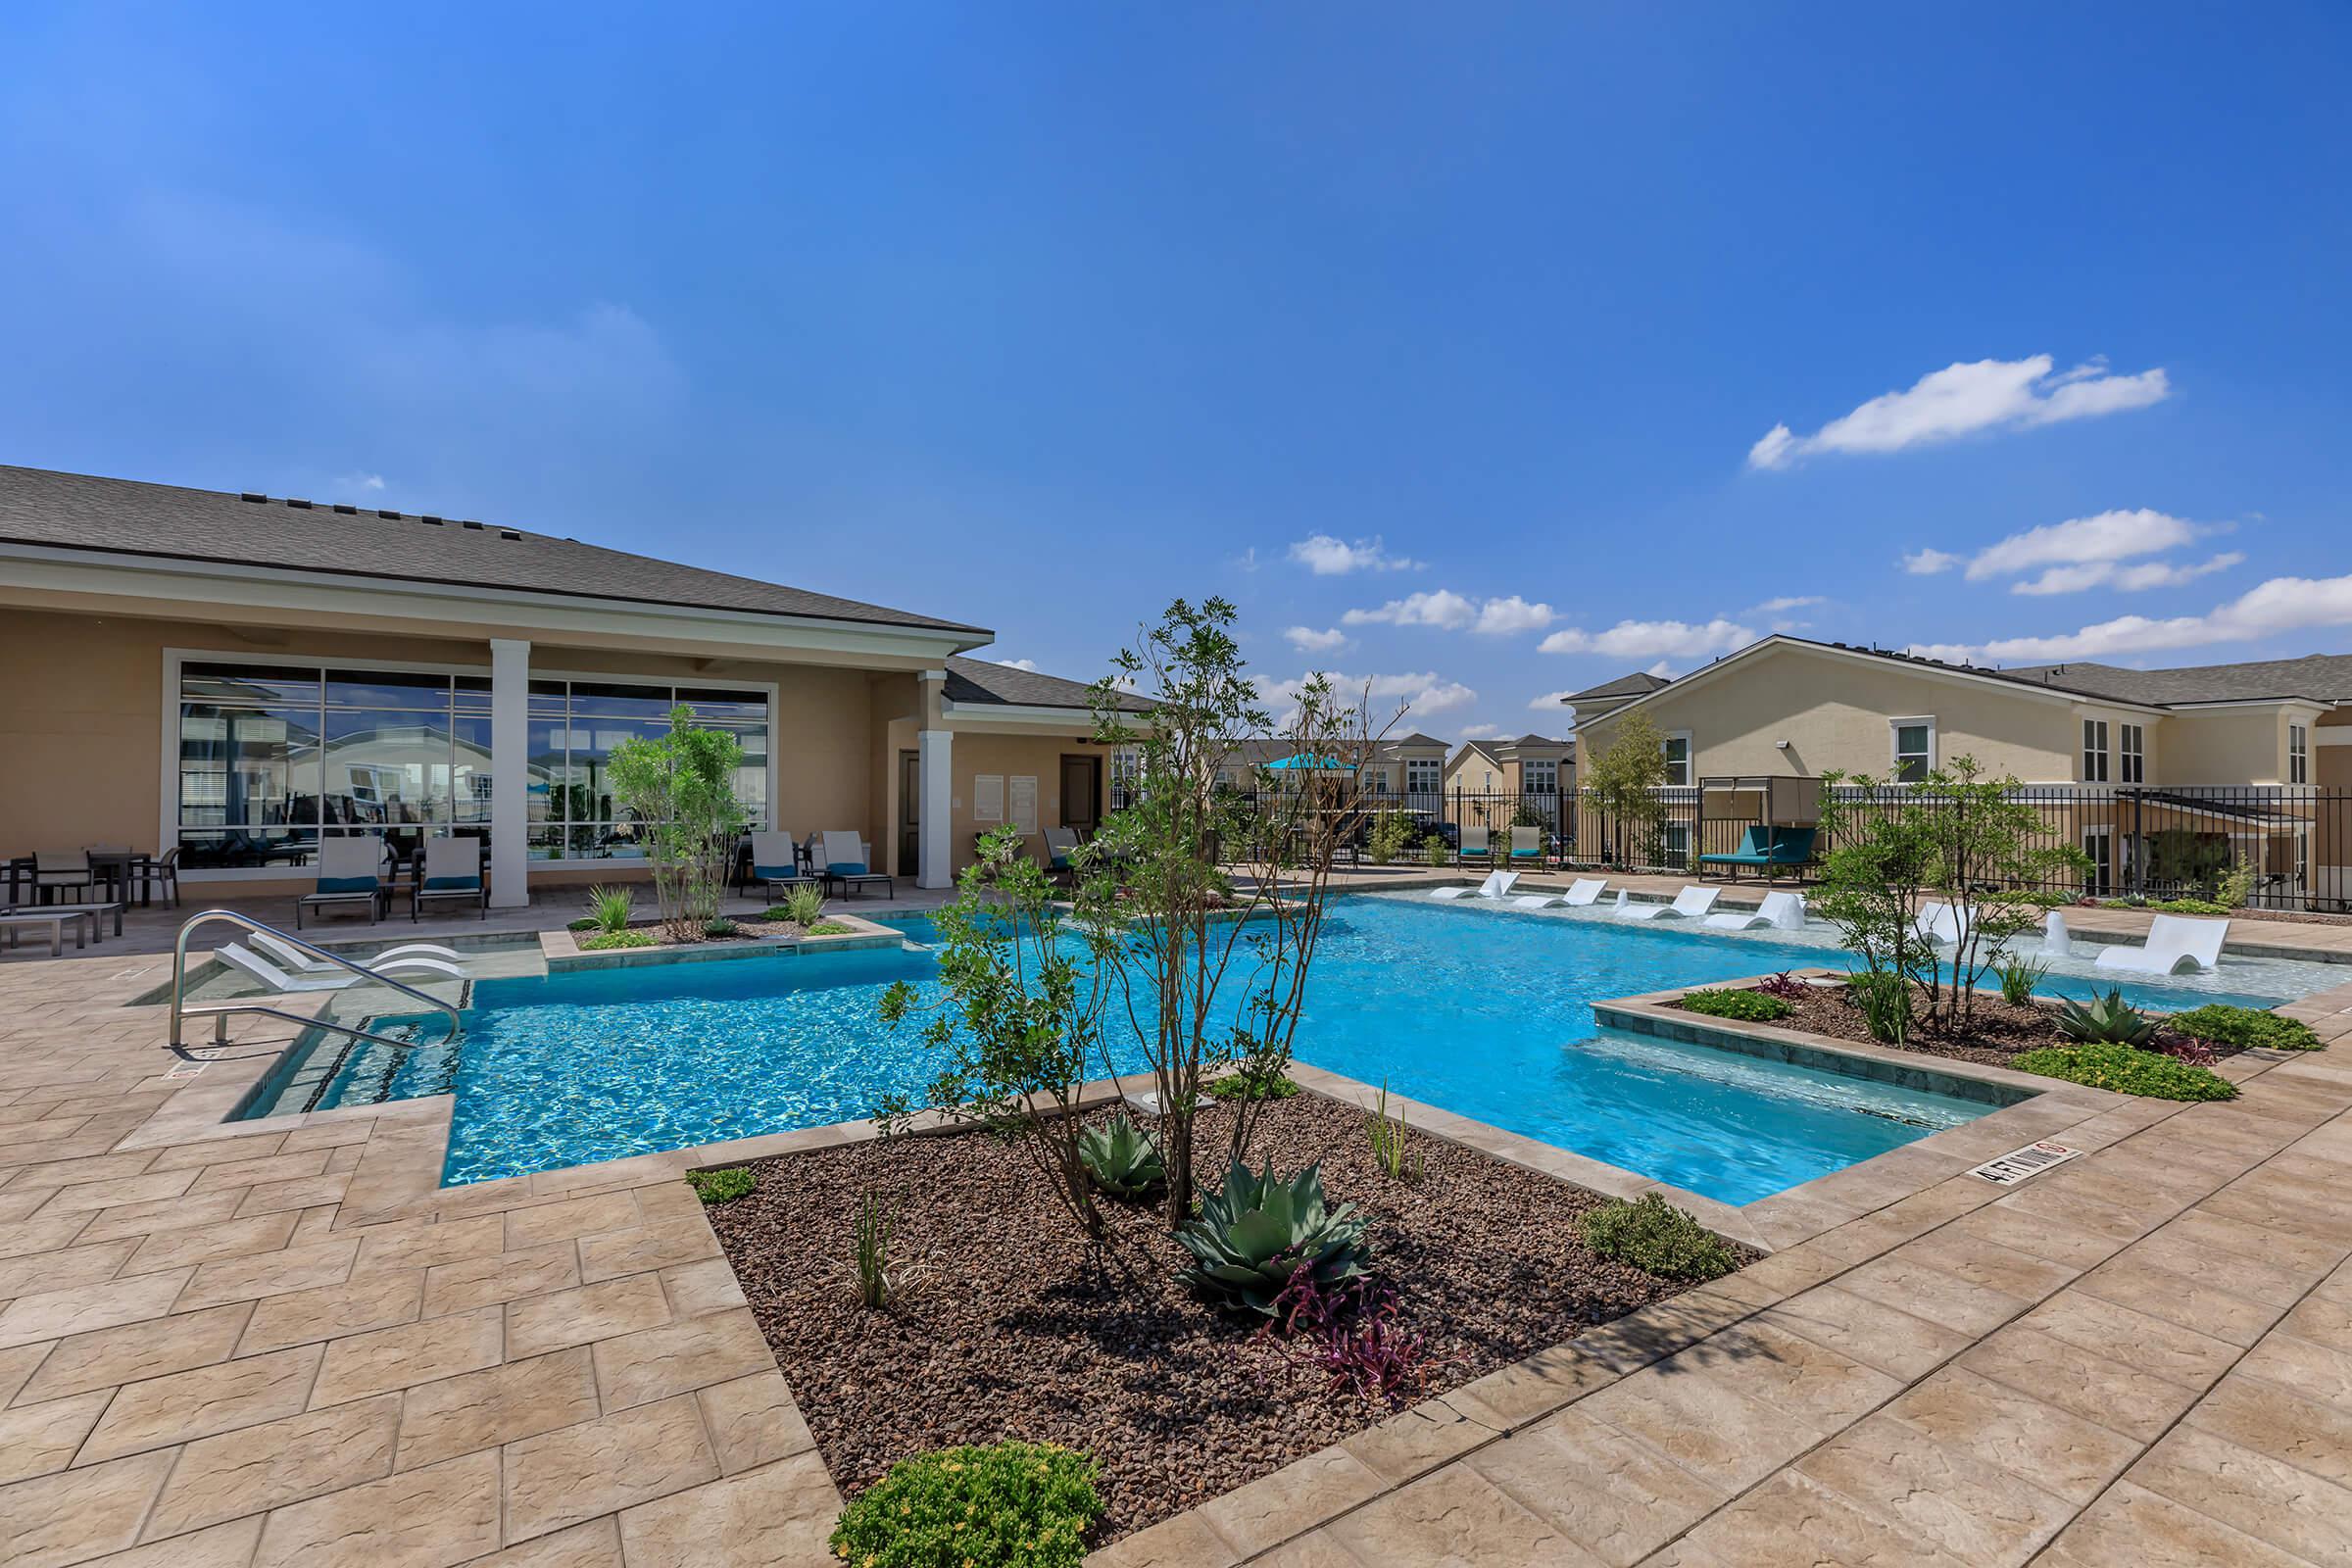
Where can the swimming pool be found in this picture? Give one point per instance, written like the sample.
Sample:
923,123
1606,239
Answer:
1483,1011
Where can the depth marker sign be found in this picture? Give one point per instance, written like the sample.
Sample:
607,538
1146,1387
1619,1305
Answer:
2020,1164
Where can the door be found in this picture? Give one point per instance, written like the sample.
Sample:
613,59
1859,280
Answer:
1082,794
910,814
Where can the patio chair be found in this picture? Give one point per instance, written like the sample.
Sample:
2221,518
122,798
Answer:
276,979
1784,912
1692,903
842,856
351,871
1529,843
1474,847
776,864
1060,843
1585,890
1765,848
2175,944
286,954
453,870
61,871
157,871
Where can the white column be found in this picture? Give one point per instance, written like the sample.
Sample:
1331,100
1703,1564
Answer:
509,772
934,849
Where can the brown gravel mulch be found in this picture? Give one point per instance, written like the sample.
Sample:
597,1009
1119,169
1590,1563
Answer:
1990,1036
1006,1330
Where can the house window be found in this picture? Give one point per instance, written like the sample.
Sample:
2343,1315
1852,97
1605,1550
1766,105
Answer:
1126,766
2098,843
2298,755
1423,775
2095,751
2131,754
571,727
1914,747
1678,757
1542,778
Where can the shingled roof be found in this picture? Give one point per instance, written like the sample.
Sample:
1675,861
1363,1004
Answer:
984,682
126,517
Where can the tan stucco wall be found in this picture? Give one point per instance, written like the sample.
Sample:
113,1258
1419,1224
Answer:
1009,756
2230,746
1834,713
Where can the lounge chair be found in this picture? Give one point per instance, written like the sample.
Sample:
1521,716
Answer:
276,979
1529,841
843,858
349,872
1765,848
1781,911
776,864
1943,926
1539,901
1496,884
1474,847
1692,903
2056,943
2173,945
286,954
453,870
1585,890
1061,843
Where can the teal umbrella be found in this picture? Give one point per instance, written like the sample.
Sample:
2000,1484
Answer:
1305,763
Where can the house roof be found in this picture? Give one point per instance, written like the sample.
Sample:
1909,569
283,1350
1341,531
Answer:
1640,683
983,682
127,516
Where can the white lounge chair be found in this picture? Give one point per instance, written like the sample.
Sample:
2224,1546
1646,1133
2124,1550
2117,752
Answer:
1496,884
1692,903
2173,945
2055,942
1785,912
276,979
1585,890
1539,901
292,958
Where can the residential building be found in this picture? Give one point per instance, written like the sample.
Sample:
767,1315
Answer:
235,676
1400,765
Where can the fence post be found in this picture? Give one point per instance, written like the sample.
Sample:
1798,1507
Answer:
2137,849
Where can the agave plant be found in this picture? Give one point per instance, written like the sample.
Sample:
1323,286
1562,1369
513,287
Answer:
1122,1158
1256,1234
2106,1021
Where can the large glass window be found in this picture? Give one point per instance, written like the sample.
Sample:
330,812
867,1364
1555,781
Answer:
2095,751
1423,775
1678,757
271,756
2131,754
1542,778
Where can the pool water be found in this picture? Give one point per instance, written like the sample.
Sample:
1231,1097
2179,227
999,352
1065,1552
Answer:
1483,1011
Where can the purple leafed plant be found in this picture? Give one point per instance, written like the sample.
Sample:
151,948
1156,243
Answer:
2180,1048
1356,1334
1786,986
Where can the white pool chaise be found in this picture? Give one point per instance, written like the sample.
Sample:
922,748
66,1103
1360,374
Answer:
2173,945
300,963
1585,890
1783,911
1537,901
278,980
1692,903
1496,884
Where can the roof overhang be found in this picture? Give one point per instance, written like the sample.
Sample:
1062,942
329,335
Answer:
98,583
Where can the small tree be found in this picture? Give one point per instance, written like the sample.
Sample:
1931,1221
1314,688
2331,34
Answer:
1990,853
1621,785
680,787
1020,1023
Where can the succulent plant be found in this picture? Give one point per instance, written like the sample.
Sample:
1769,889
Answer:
2106,1021
1122,1158
1256,1233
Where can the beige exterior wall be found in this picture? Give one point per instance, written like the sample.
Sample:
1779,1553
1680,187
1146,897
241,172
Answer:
2232,745
1011,757
1474,772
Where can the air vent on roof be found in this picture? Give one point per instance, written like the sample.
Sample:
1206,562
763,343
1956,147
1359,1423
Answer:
296,501
429,518
347,509
470,524
250,496
508,533
387,511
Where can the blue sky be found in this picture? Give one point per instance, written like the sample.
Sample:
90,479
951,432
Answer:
1625,332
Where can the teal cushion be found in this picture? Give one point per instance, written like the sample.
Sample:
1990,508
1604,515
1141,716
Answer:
776,873
1533,849
847,868
347,884
453,884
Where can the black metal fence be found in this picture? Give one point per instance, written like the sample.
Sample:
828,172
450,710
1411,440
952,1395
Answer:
2293,840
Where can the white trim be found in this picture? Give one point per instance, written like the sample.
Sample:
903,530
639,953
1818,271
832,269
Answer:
509,772
1895,742
169,828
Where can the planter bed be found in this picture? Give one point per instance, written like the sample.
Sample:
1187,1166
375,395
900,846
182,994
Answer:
1997,1033
1006,1330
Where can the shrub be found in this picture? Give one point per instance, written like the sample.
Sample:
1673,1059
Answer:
1392,838
1252,1086
1356,1334
2019,977
723,1185
2128,1070
2191,906
871,1231
801,906
1884,998
1258,1233
1748,1006
1001,1505
2106,1020
1786,986
1656,1238
1122,1158
2247,1028
620,939
831,928
586,922
1434,851
1391,1143
609,909
720,929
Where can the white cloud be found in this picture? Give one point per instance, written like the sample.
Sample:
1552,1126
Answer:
360,481
2129,579
2079,541
1548,703
1651,639
1029,664
2281,605
1424,693
1663,670
1478,732
1327,557
1964,399
1247,561
1307,640
1452,612
1443,608
1775,606
1928,563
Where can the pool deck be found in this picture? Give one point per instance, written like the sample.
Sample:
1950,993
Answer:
283,1344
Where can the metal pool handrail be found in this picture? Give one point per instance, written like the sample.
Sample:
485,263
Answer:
219,1011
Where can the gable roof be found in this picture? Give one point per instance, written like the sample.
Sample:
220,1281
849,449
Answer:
983,682
1640,683
131,517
